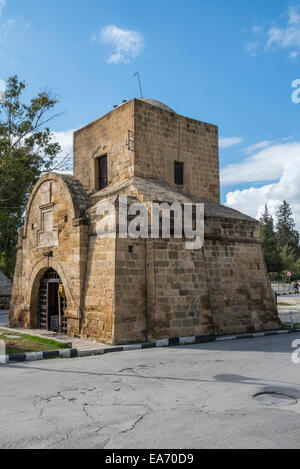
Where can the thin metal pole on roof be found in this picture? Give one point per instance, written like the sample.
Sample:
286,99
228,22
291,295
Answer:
137,74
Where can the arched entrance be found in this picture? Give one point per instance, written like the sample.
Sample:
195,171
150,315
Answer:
52,303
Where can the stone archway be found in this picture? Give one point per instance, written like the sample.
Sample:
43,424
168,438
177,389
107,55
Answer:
52,303
31,307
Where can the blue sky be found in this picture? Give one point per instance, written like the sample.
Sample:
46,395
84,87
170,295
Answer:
231,63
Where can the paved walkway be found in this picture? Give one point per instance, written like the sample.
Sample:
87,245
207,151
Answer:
79,344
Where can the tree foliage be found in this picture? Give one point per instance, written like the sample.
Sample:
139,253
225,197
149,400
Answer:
269,242
27,150
287,235
280,246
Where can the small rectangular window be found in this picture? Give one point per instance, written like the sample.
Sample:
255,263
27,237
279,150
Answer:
101,173
179,173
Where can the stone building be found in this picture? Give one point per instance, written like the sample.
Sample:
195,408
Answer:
5,291
122,290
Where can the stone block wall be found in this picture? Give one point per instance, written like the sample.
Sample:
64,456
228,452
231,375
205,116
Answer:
162,138
160,291
99,292
145,141
178,295
220,289
240,292
131,291
109,136
240,295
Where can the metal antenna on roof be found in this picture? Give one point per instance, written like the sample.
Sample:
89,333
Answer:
138,75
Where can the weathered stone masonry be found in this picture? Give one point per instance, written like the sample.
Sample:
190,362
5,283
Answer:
124,290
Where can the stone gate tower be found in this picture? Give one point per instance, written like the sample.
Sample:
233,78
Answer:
126,290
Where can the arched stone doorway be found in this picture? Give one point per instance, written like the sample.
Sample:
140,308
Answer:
52,303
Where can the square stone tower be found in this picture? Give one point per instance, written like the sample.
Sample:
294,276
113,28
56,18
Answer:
123,290
147,139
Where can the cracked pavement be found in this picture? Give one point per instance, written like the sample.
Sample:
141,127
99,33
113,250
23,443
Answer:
183,397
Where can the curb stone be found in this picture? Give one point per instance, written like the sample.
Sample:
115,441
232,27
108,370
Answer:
173,342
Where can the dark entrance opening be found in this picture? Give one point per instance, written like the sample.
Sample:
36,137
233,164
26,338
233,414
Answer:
49,302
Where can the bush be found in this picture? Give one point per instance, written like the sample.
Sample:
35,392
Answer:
275,276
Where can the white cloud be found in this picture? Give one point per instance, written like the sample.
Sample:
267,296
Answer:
258,146
126,45
266,165
229,142
2,6
65,139
287,36
280,36
277,162
294,15
257,29
294,55
252,201
5,28
252,48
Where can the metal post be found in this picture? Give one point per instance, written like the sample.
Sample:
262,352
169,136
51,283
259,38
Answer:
59,312
137,74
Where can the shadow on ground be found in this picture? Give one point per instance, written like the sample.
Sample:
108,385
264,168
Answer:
273,344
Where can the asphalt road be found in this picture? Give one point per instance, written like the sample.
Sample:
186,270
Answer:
185,397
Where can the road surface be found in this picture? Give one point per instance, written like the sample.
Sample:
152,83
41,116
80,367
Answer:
182,397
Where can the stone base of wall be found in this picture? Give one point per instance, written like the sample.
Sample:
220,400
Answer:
4,302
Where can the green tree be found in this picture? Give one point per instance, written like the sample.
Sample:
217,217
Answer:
269,242
288,260
287,235
27,150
